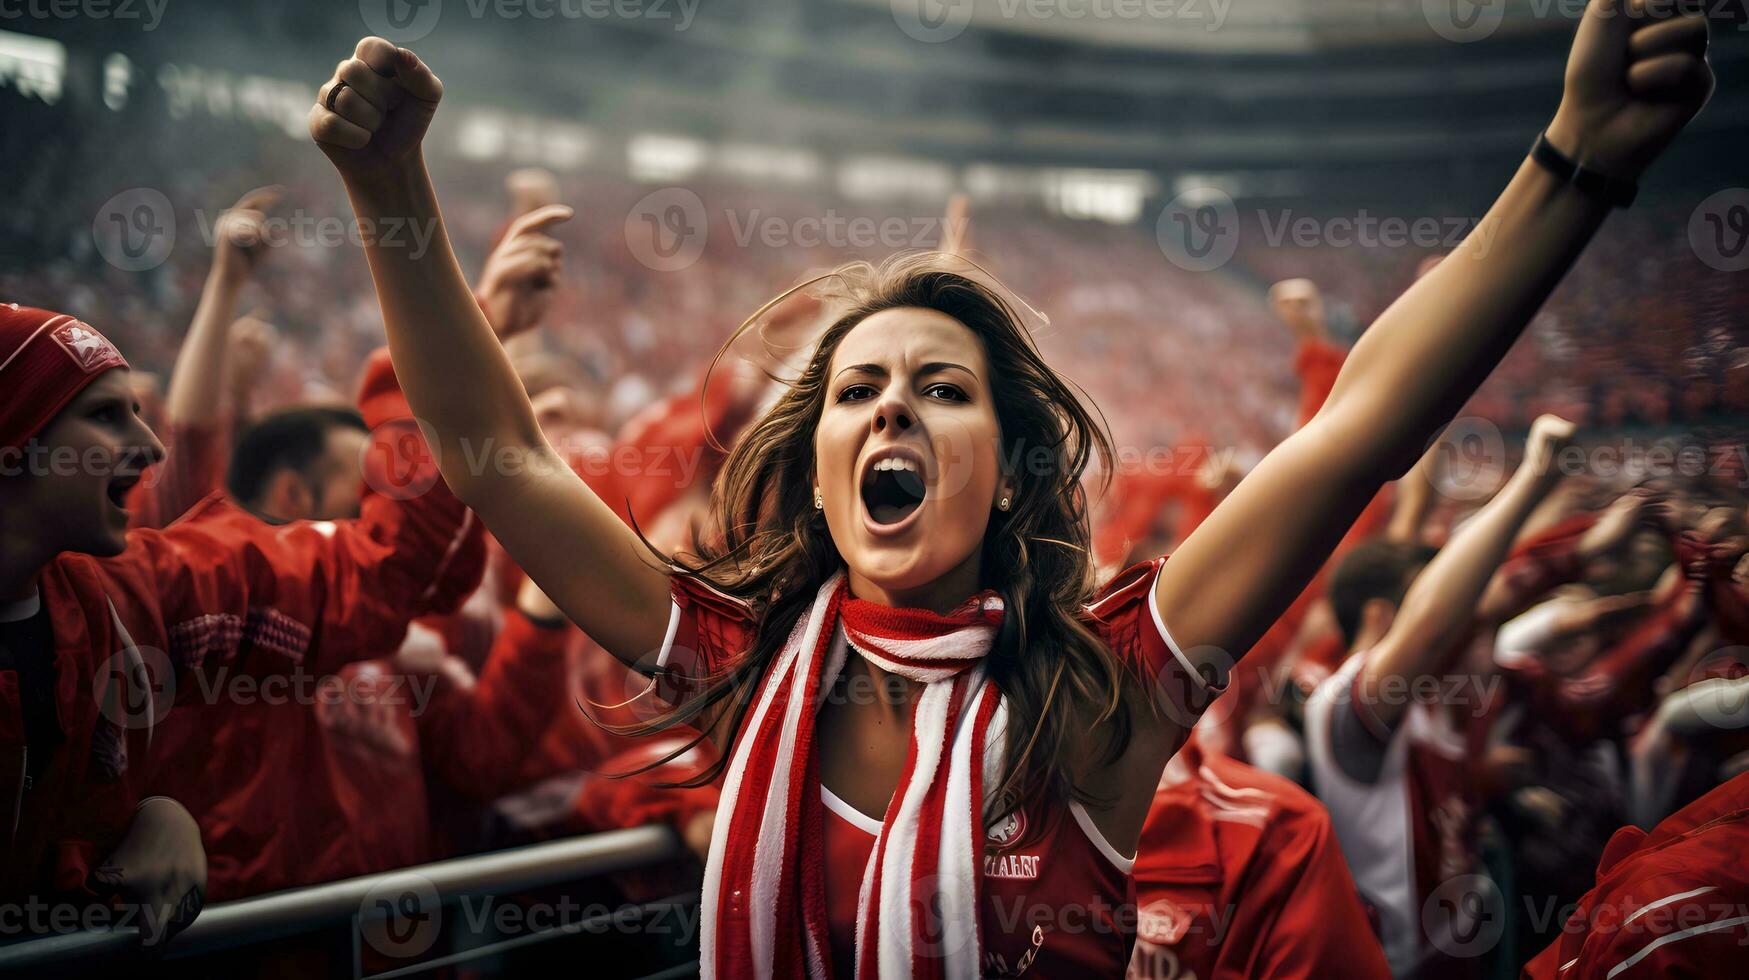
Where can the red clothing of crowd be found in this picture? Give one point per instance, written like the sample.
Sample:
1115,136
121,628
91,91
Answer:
243,597
1670,903
1239,874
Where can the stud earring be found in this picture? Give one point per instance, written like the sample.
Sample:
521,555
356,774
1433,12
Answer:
819,501
1002,504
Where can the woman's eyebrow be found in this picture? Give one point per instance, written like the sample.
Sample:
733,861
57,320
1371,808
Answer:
874,369
935,367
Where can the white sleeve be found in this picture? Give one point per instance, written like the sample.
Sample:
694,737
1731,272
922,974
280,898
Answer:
1525,638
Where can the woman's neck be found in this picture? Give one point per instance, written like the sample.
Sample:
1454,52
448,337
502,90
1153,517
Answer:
943,595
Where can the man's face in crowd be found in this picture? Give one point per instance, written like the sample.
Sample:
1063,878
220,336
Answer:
1299,304
67,489
330,488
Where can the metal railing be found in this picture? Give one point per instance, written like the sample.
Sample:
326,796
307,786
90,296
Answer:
255,920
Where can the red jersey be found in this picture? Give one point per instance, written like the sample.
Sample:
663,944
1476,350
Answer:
1672,903
1238,874
1057,899
1056,892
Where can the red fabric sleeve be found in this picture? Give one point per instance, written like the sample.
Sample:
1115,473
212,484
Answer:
193,467
320,593
475,738
1728,601
1684,924
1123,616
1545,560
1317,362
711,632
619,796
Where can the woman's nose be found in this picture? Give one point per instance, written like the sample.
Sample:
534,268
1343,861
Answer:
893,413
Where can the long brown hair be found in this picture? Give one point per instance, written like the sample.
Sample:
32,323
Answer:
771,548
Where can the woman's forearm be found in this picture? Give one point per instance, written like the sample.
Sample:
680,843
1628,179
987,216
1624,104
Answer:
1426,354
450,363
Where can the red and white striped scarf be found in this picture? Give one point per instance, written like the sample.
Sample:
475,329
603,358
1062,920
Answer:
918,913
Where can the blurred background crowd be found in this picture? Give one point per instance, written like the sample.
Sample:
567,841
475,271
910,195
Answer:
715,165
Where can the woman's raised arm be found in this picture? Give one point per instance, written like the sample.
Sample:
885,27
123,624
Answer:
1636,75
370,119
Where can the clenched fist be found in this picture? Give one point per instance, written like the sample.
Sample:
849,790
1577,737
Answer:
371,117
238,235
1549,434
1637,74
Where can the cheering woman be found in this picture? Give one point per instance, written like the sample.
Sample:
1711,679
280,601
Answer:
938,743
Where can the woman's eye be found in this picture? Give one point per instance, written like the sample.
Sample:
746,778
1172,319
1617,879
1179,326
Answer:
107,414
945,392
856,393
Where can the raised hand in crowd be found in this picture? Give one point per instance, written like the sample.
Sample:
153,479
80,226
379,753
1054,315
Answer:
521,275
197,384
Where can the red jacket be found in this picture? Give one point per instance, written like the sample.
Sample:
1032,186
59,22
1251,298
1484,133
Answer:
397,736
272,615
1238,874
1672,903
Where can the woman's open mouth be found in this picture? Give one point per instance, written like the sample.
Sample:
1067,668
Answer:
893,489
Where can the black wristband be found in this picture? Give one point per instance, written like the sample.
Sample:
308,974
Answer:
1610,190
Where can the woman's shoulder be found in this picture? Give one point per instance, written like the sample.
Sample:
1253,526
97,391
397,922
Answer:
708,623
1121,612
1127,592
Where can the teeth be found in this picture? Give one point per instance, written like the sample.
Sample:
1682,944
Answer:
894,463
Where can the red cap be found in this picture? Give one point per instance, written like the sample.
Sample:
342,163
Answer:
46,359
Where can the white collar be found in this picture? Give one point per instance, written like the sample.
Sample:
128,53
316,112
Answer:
23,609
